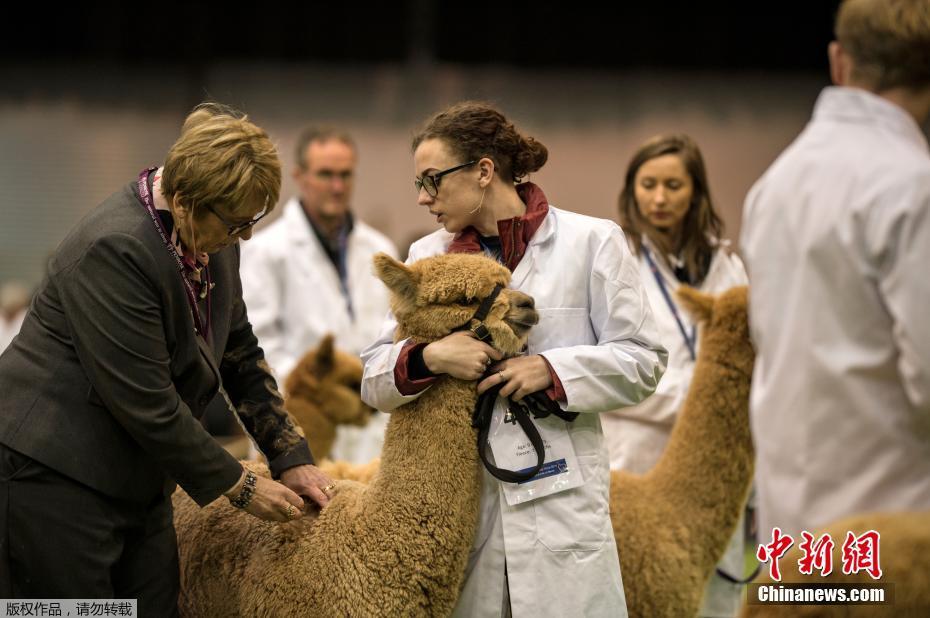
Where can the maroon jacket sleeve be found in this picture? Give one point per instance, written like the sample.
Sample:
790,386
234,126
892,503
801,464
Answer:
411,375
556,392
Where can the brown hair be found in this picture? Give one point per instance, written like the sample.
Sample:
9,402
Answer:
475,129
223,160
701,227
320,134
889,40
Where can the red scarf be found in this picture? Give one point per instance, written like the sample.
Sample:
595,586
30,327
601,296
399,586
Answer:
515,233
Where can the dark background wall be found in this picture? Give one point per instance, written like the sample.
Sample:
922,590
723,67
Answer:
90,94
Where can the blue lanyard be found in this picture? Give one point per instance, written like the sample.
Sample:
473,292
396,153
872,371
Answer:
689,341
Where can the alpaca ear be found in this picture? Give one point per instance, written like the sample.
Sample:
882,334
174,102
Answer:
699,306
397,276
325,356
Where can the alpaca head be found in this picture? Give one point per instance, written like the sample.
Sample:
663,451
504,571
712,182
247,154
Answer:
434,296
725,325
329,380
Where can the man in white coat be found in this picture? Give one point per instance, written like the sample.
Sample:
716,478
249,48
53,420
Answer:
836,236
309,273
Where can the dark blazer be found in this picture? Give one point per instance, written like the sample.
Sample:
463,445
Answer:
107,377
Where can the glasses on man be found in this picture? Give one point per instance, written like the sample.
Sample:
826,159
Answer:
237,228
430,182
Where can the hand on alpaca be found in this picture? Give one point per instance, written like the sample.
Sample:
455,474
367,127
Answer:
309,482
523,374
270,501
461,355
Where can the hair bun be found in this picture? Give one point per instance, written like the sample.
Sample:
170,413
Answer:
530,156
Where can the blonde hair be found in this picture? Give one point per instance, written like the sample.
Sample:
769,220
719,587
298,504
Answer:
889,41
222,160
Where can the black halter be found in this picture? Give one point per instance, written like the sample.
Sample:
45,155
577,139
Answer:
476,322
536,404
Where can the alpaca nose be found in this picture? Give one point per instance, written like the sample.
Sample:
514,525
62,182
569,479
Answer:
523,301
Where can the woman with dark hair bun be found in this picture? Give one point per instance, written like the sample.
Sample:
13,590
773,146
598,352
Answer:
669,220
595,348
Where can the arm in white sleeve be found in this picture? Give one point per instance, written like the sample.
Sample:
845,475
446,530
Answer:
379,359
903,248
625,365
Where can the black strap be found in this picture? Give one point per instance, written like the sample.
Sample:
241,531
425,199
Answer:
539,405
741,582
478,328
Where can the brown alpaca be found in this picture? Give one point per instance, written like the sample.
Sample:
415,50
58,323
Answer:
673,523
323,392
397,546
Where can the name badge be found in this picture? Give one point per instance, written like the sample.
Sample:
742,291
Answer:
514,451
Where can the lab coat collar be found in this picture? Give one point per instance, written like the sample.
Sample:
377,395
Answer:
860,106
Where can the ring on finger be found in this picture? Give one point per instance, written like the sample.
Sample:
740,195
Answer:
501,374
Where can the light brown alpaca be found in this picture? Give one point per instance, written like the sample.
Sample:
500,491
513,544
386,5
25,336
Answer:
323,392
673,523
397,546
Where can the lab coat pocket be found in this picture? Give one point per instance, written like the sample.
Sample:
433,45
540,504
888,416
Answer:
577,519
560,327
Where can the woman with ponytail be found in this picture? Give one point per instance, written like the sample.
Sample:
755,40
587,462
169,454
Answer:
595,348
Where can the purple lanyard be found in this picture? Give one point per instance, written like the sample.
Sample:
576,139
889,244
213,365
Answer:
689,341
200,325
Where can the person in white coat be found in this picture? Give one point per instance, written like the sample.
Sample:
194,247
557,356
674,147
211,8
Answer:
595,348
14,303
309,273
836,236
669,219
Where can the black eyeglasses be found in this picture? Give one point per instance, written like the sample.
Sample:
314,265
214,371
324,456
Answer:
430,182
237,228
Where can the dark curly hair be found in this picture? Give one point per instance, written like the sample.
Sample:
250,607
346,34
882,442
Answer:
475,129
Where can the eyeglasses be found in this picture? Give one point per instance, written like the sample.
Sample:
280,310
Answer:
237,228
430,182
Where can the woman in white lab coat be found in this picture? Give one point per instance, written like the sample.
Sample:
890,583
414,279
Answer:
595,348
669,220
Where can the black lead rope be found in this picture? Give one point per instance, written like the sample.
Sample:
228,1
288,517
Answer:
539,405
741,582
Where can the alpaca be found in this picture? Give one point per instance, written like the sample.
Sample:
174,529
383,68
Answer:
673,523
324,391
398,545
903,551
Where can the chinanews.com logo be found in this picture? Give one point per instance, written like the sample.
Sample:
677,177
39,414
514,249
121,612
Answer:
858,554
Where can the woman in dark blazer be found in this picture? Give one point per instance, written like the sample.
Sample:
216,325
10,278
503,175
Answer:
138,325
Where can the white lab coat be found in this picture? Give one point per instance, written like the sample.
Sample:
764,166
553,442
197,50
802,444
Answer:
9,329
637,435
836,237
596,330
293,295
